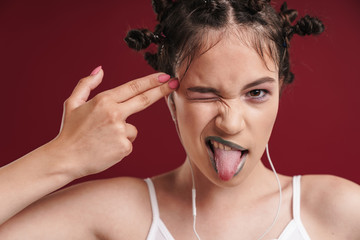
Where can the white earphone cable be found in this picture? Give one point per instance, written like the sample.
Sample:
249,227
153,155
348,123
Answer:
280,194
193,196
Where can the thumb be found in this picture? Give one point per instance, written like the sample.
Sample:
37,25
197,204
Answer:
82,90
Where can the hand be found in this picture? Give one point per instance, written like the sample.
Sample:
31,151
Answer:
94,134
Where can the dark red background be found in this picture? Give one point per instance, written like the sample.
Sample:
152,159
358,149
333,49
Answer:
47,46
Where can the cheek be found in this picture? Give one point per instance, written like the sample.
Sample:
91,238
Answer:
263,121
195,116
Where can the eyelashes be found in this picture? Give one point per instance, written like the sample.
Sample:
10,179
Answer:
258,94
204,97
207,99
255,95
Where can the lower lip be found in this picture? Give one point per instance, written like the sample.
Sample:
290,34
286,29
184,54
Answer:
242,163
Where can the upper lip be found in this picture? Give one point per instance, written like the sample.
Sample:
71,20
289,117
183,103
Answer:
222,141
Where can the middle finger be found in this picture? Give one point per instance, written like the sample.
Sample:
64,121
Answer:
146,99
137,86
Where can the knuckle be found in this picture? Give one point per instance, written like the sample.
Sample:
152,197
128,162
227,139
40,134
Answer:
135,86
127,147
121,128
113,117
68,104
144,99
104,105
133,135
101,99
82,81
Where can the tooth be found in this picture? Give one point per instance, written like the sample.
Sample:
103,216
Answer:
222,146
216,145
227,148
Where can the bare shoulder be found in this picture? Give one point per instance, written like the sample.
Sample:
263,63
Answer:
331,191
122,190
331,202
90,210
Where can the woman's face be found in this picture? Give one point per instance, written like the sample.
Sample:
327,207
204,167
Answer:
226,107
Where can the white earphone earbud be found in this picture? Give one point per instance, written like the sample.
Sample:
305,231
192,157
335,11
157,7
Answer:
171,105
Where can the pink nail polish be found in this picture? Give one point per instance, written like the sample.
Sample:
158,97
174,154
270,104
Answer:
174,83
163,78
95,71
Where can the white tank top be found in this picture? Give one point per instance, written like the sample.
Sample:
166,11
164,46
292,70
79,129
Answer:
293,231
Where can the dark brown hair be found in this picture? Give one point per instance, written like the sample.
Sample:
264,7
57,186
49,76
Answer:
184,24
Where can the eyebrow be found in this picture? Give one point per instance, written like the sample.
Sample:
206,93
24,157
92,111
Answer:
259,81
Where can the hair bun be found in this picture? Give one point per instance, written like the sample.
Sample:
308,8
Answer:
139,39
308,25
289,15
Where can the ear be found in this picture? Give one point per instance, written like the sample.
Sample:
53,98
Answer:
172,108
171,105
281,82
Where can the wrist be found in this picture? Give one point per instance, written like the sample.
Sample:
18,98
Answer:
59,161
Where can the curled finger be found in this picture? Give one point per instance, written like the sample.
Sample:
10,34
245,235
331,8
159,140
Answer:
131,132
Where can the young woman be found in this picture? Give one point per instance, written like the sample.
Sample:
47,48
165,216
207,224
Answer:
231,59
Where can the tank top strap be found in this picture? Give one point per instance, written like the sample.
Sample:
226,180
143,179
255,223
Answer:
153,199
296,207
296,197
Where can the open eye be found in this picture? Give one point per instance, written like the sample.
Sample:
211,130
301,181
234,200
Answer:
257,94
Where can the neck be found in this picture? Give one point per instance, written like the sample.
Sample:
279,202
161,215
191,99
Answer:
242,189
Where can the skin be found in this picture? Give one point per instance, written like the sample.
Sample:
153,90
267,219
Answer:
231,113
242,207
79,149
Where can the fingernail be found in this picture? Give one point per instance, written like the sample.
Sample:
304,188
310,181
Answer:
163,78
95,71
174,83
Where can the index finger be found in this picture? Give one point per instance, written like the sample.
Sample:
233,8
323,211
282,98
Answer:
145,99
137,86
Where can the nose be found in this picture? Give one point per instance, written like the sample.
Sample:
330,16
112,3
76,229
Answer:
230,119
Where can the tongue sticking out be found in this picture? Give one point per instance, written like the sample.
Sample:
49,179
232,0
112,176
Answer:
227,163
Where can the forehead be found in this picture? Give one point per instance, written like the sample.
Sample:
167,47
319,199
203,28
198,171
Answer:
229,58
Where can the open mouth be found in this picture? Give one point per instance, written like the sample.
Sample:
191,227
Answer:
226,157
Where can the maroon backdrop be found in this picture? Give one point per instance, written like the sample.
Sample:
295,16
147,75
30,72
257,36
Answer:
47,46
